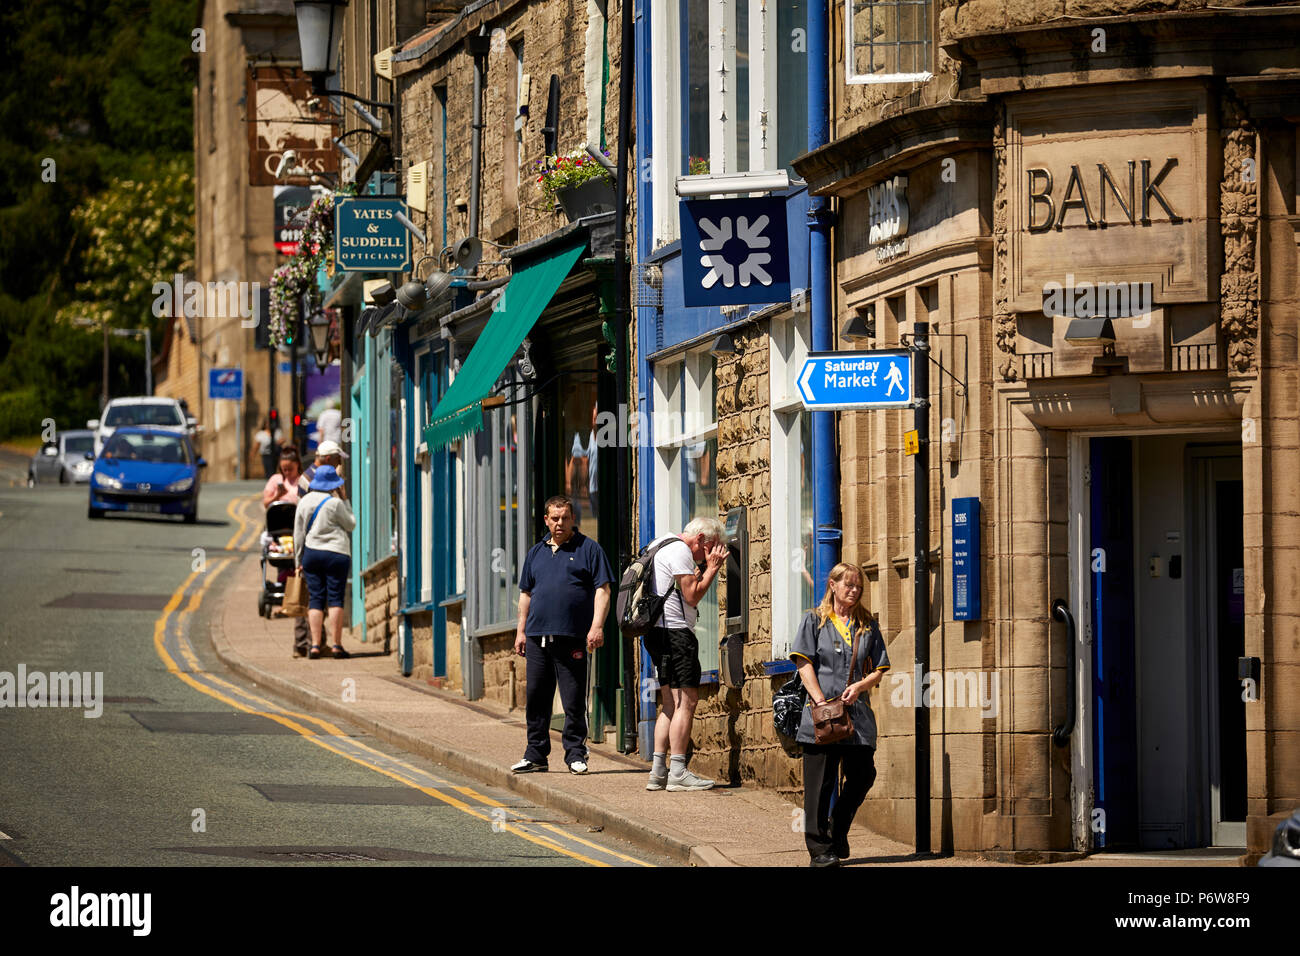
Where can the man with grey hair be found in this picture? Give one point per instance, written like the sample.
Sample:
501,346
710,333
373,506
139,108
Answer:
674,649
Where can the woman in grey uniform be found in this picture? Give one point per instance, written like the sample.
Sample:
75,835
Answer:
837,635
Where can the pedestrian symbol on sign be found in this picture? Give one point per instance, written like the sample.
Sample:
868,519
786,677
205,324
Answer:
894,379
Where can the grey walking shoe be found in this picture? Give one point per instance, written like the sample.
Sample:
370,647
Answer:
657,782
687,781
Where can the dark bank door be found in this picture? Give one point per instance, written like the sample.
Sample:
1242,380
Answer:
1228,761
1114,731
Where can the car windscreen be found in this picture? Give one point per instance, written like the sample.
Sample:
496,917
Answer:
156,446
79,445
156,414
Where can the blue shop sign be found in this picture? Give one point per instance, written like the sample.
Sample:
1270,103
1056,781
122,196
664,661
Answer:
368,236
966,559
849,380
734,251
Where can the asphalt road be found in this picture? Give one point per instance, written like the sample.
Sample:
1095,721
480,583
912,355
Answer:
170,774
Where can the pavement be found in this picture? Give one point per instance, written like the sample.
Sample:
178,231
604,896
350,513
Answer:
727,826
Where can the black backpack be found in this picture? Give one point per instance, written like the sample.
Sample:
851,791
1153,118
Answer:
638,606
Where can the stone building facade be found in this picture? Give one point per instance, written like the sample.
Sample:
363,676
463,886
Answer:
234,239
1137,170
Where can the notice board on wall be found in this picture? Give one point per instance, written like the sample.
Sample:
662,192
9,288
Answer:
966,559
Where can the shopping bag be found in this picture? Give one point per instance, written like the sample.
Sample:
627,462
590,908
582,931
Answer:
295,596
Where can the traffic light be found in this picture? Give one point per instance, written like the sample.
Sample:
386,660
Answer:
297,421
275,420
291,331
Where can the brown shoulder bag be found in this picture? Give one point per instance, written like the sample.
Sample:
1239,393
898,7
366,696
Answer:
831,720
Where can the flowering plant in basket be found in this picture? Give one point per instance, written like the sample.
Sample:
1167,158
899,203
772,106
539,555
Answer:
561,172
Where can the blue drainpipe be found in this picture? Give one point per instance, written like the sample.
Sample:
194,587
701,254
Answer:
826,466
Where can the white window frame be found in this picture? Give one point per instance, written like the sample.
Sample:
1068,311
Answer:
666,105
850,75
785,361
685,413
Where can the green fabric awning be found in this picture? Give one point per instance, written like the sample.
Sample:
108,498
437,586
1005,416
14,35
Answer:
526,295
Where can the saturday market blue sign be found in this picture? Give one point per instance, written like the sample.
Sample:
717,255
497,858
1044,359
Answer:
734,251
853,379
368,237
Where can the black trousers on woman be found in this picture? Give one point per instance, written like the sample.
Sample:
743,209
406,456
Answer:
826,830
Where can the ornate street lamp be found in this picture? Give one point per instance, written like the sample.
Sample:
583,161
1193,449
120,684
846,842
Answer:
320,22
319,326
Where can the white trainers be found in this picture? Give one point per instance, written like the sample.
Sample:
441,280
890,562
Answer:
687,781
527,766
657,782
578,766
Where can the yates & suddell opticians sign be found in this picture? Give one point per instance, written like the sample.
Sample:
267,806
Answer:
368,236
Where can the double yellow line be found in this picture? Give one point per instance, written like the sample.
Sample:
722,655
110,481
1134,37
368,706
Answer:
211,685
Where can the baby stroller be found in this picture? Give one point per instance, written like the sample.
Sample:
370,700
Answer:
277,551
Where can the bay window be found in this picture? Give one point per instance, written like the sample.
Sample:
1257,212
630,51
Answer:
685,431
887,41
730,83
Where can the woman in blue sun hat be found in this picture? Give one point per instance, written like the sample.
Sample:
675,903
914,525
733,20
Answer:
322,545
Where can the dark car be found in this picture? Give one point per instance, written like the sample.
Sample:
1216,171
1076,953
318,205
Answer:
146,470
63,460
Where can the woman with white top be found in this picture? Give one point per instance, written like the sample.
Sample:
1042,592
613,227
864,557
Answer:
323,546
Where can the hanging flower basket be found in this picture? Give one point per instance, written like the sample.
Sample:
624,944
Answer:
295,277
582,186
591,198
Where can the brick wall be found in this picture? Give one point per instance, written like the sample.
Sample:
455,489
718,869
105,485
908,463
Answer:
381,588
454,679
503,671
421,626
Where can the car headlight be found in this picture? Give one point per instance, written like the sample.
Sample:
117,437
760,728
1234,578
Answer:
183,485
82,467
104,481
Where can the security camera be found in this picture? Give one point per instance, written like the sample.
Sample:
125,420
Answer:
285,163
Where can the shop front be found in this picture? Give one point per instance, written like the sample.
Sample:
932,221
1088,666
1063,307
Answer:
506,407
1098,263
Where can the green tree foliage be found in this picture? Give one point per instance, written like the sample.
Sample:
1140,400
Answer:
138,231
103,89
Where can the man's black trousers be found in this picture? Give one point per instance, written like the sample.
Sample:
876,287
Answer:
563,659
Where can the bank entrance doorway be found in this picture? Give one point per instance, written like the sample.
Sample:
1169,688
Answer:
1161,613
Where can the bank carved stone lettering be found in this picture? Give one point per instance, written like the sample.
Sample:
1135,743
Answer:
1045,214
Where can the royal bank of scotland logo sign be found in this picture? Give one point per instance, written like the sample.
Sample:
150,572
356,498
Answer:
734,251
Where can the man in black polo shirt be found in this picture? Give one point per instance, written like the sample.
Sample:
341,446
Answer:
564,597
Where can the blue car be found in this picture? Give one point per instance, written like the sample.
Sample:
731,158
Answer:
146,470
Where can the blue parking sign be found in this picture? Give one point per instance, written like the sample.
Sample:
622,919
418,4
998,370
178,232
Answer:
226,383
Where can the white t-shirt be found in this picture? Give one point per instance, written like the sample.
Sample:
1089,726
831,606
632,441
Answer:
330,425
672,560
